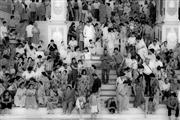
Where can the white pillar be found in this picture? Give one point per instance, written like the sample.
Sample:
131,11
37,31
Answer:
57,28
170,28
158,11
171,10
58,10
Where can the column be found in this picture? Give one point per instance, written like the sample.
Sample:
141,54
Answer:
170,28
58,10
158,10
171,10
57,28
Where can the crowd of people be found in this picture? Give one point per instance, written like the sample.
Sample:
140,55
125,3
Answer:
31,9
121,32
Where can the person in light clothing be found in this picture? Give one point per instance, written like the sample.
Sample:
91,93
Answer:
141,48
89,33
80,105
20,97
94,105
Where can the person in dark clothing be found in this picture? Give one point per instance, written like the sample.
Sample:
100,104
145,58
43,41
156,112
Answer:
72,32
173,105
111,105
96,84
52,47
6,101
106,66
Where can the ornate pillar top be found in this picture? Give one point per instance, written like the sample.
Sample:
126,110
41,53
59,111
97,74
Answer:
171,10
58,10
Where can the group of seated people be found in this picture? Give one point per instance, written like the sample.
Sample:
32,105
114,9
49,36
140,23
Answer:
34,76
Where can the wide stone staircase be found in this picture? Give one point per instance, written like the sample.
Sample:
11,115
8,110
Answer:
109,90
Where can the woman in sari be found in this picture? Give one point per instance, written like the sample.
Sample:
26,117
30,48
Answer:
139,92
74,72
19,99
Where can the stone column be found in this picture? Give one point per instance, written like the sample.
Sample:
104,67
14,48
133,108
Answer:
57,28
170,28
58,10
171,10
158,10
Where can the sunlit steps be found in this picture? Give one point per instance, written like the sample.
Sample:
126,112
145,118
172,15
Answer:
41,114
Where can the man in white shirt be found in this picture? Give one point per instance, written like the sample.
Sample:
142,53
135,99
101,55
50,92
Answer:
147,75
154,46
29,33
3,31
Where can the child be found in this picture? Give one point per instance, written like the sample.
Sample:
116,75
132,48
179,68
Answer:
99,48
94,105
51,101
92,47
80,104
30,97
73,43
111,105
87,57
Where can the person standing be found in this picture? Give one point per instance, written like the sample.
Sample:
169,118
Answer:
29,33
3,32
105,66
102,13
118,59
33,8
89,33
36,33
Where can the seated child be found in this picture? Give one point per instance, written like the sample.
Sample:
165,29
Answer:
80,104
111,105
73,43
91,47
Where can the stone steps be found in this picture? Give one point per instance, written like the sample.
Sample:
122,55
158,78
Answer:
41,113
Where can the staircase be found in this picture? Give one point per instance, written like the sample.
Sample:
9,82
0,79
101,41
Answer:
108,90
